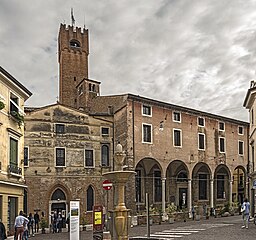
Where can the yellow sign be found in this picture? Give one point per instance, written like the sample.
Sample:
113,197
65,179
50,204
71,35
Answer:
97,218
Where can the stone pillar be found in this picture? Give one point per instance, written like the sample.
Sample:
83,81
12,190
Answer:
211,196
189,198
246,190
230,192
163,196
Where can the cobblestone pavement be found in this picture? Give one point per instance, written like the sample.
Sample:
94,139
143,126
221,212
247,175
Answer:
226,228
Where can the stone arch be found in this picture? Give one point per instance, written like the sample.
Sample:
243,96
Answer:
59,197
177,175
201,176
148,179
239,184
222,181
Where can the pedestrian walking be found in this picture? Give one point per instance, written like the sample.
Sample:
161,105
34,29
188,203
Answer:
54,222
20,222
59,223
25,233
37,220
31,225
193,212
2,231
245,209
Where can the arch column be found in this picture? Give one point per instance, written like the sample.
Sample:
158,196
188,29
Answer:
211,196
230,192
189,198
246,189
163,195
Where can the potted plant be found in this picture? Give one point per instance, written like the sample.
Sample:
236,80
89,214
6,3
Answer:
19,118
43,224
83,223
170,210
2,105
197,213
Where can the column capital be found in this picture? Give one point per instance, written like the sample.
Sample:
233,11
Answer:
163,179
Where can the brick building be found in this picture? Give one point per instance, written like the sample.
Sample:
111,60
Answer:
180,155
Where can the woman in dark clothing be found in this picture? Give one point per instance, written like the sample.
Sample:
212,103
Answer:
2,231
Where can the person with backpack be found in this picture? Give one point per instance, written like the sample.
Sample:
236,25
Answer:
245,209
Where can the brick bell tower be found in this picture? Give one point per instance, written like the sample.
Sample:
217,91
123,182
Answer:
73,62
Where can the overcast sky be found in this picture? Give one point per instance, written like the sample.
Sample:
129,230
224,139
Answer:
194,53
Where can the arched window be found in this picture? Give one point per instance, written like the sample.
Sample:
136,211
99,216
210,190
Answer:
90,198
74,43
58,195
105,155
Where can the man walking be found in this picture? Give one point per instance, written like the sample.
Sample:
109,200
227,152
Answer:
246,213
20,222
37,220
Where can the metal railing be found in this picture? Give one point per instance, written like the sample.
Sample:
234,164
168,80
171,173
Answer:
14,169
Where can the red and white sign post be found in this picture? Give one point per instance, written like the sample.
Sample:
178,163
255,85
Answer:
107,185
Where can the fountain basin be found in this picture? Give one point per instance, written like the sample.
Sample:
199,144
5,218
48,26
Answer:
118,176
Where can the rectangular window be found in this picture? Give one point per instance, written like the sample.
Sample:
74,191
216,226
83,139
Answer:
146,110
240,147
59,128
176,117
89,158
220,187
26,156
14,103
147,133
222,145
221,126
202,187
13,152
104,131
241,130
60,157
177,137
157,186
201,121
201,141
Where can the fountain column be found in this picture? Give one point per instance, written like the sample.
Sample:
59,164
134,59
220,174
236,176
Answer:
119,178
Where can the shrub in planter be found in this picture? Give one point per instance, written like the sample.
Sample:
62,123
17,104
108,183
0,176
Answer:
43,224
2,105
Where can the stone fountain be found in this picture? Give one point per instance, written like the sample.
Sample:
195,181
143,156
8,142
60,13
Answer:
119,178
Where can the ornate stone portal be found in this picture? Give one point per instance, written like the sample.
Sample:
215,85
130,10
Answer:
119,178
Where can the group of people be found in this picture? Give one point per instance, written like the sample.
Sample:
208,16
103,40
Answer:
56,222
26,226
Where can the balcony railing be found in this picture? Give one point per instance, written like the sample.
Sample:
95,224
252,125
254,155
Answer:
13,169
